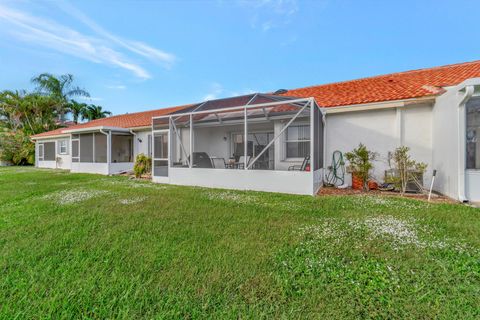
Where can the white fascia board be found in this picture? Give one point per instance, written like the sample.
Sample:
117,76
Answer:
378,105
51,137
89,129
144,128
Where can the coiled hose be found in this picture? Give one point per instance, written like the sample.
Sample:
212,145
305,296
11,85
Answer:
336,174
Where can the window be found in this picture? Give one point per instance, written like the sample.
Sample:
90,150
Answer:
473,134
297,141
63,147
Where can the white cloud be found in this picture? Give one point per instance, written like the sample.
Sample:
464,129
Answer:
133,46
101,48
215,92
218,91
117,87
91,99
269,14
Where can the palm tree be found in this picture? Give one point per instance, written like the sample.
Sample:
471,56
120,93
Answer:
78,110
95,112
60,88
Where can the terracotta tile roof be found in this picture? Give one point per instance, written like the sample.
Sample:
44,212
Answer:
129,120
395,86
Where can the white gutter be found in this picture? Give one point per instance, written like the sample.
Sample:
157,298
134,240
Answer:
461,125
51,137
378,105
97,129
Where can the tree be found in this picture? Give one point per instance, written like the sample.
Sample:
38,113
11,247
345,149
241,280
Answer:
96,112
78,110
61,88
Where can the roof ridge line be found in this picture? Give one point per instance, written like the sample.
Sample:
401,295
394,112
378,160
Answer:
389,74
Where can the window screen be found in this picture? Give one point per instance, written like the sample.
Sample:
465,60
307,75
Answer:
100,147
160,168
75,148
49,151
161,145
86,147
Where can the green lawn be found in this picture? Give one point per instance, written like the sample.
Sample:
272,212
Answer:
89,246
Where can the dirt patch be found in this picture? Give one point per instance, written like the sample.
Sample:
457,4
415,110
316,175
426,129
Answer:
331,191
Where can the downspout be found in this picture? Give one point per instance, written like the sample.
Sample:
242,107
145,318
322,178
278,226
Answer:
134,143
324,147
461,124
108,150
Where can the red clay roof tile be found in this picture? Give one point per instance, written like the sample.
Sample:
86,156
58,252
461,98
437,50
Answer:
395,86
129,120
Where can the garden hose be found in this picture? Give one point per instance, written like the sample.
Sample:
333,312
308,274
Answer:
336,171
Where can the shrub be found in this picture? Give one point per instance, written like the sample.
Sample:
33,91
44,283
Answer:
361,162
16,148
406,169
143,165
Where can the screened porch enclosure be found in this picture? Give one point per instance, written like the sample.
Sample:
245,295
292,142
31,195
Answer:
254,142
102,151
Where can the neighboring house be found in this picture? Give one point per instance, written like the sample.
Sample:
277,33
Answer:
435,112
104,146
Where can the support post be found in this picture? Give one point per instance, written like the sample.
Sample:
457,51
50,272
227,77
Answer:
245,139
109,150
191,142
312,145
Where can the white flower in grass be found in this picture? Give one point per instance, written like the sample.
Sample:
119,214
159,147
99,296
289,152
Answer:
66,197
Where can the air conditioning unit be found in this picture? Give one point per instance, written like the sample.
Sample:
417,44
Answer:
414,185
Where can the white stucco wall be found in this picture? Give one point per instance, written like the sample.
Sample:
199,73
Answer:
295,182
445,142
449,145
141,147
382,131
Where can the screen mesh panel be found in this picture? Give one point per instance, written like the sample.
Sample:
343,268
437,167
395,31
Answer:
100,147
49,151
86,147
122,148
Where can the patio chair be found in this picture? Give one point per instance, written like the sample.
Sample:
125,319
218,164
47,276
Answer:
218,163
241,162
201,160
302,167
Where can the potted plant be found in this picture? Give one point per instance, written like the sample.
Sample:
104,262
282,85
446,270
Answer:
360,160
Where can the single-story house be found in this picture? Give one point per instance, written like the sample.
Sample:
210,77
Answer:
292,134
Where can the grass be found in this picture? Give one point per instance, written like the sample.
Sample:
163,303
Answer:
89,246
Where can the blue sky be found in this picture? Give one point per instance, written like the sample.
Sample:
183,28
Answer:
140,55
